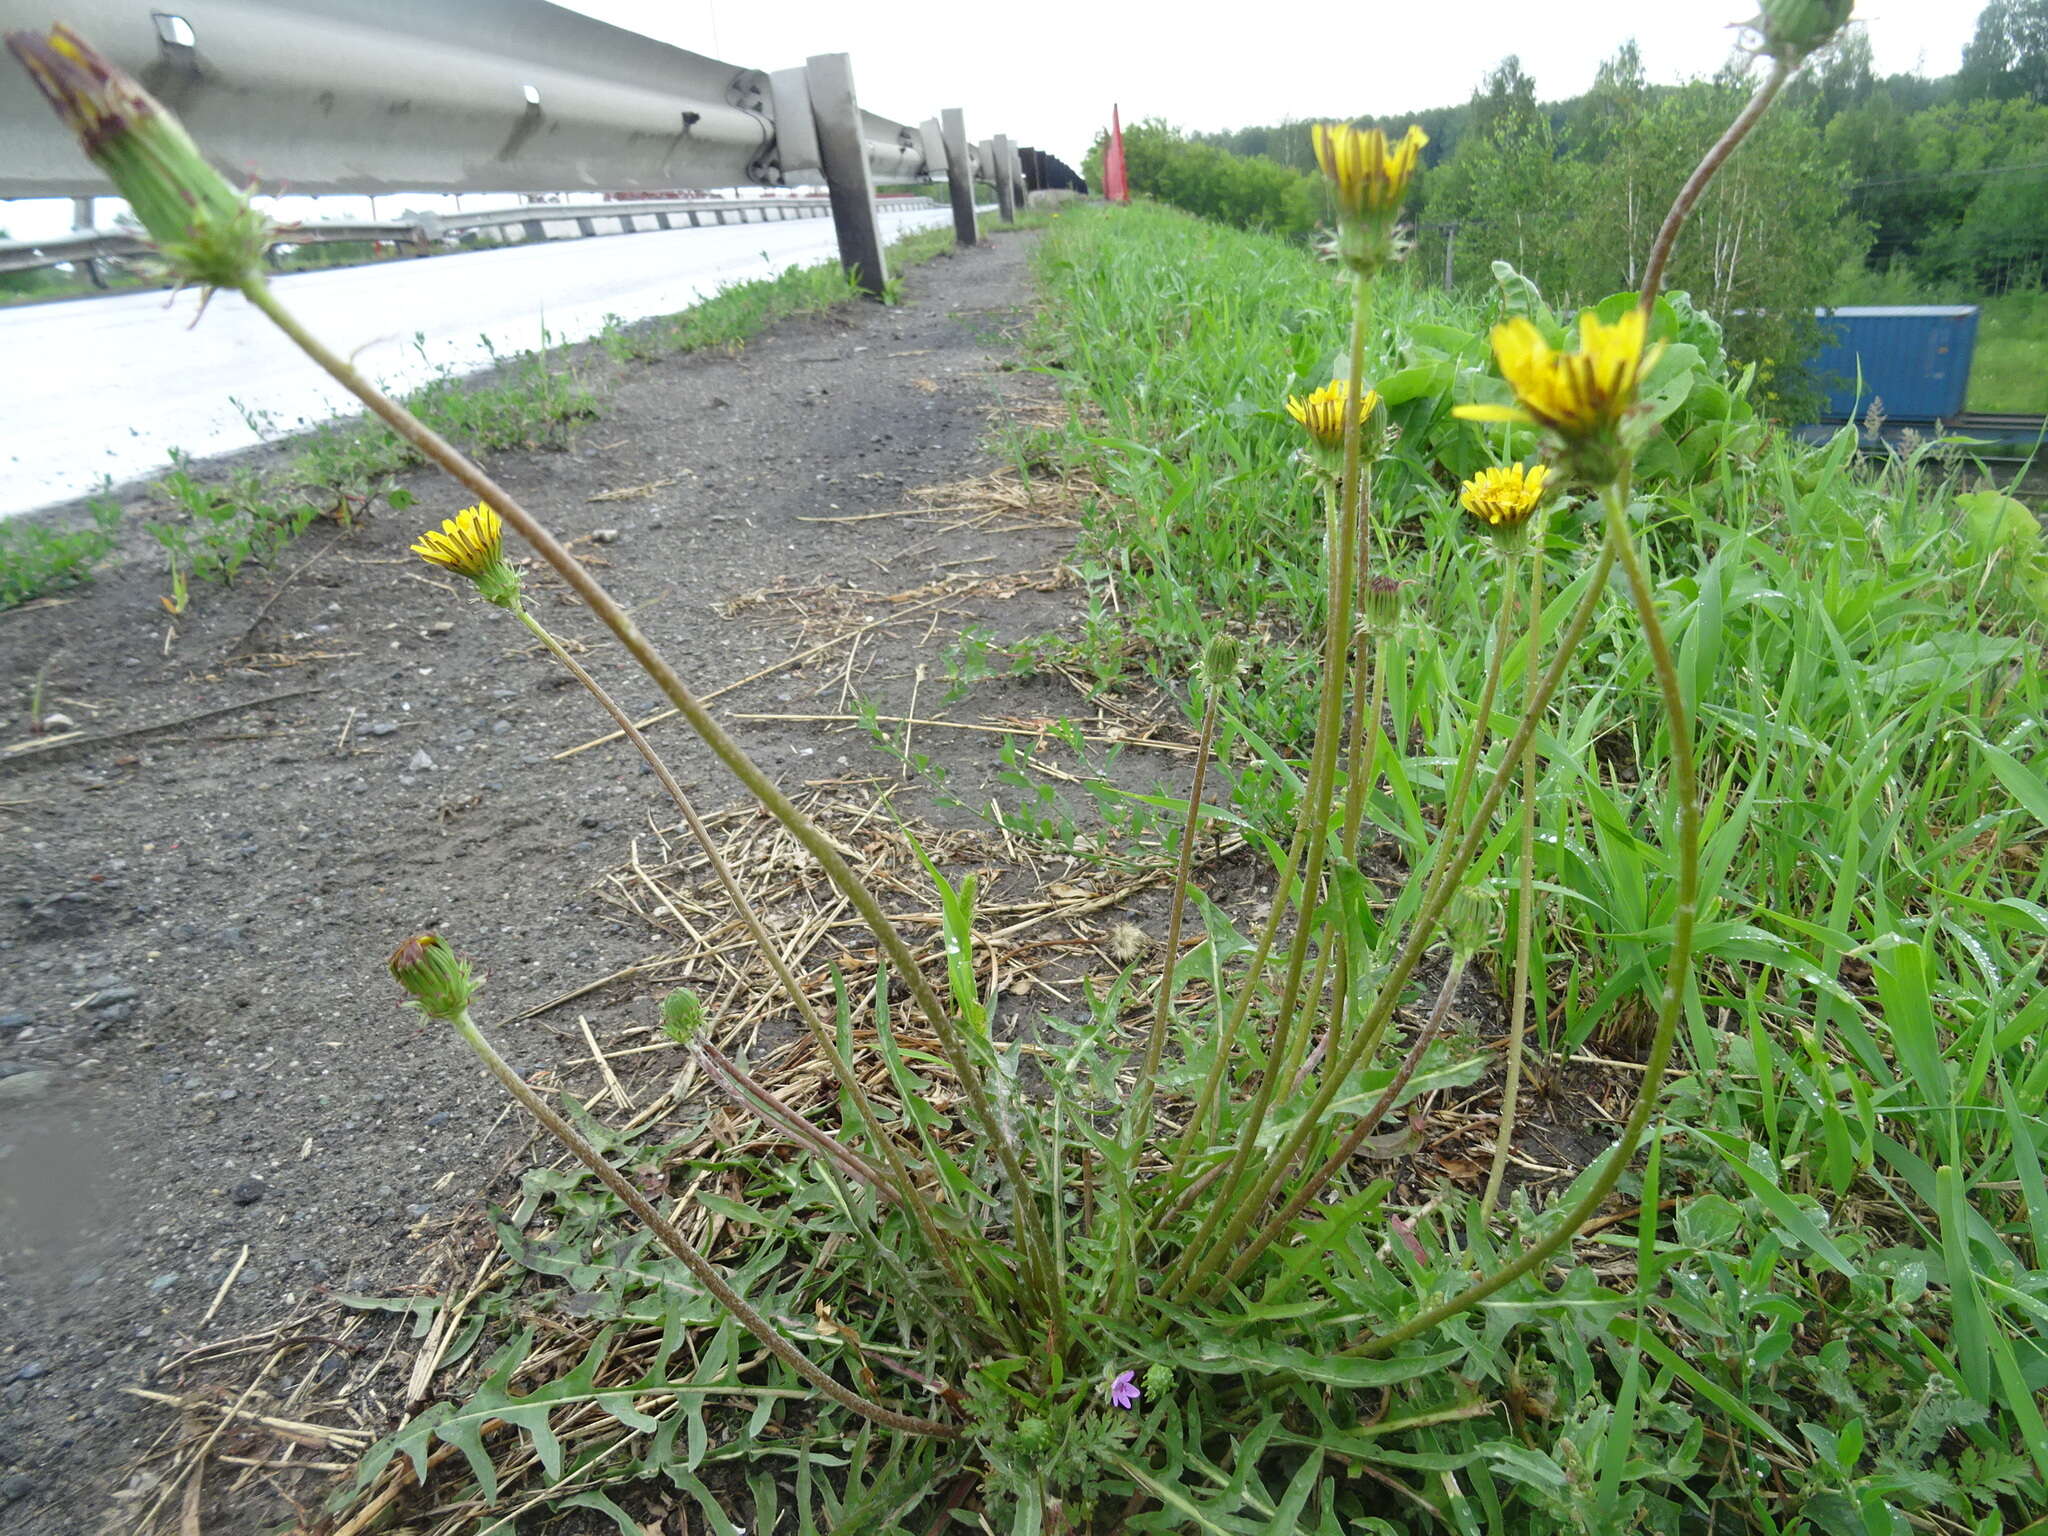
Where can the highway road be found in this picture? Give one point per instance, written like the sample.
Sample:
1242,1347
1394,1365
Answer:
106,388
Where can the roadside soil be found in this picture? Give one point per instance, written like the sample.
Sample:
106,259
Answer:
211,1105
214,1114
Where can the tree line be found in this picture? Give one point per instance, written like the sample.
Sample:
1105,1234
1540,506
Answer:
1859,187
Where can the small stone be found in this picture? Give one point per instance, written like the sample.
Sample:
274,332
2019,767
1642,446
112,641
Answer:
420,762
57,722
441,627
163,1283
228,1095
439,1119
382,727
16,1020
20,1087
248,1192
500,727
19,1486
107,997
604,535
35,1370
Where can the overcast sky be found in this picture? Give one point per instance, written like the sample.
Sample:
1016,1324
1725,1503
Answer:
1047,73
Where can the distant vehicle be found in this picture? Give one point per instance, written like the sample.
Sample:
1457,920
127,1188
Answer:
1907,367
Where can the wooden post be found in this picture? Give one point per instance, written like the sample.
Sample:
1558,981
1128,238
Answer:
1006,186
843,156
959,176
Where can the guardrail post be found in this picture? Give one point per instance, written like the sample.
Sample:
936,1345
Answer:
959,176
842,149
1006,188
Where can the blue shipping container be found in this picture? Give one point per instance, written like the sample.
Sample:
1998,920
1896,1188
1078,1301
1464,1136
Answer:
1913,357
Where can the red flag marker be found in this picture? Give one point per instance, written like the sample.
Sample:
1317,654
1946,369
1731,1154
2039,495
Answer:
1115,184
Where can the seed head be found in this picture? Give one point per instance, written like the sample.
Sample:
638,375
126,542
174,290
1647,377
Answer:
1127,941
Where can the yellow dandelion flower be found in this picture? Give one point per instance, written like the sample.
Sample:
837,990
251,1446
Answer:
1368,178
1583,396
1504,496
472,544
1368,175
1321,415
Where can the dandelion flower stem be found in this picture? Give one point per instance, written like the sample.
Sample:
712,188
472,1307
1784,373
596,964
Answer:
953,1044
1619,546
901,1182
1155,1044
1367,1123
1313,827
1435,900
1525,903
1695,184
670,1236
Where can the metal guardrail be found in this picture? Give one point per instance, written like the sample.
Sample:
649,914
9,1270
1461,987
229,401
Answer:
372,96
425,230
379,96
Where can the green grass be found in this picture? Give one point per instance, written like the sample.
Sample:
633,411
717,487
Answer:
2010,372
1840,1323
35,560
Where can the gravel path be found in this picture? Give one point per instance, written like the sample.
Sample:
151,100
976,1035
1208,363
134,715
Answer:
200,1054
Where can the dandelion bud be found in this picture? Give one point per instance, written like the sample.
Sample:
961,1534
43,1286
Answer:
1470,920
682,1015
1381,600
205,230
1220,658
441,985
1793,29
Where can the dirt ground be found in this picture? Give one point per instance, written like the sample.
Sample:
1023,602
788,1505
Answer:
214,1113
211,1104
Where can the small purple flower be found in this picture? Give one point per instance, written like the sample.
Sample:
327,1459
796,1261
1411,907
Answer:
1124,1390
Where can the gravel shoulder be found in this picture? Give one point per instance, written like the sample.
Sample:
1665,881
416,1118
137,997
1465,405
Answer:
204,1072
